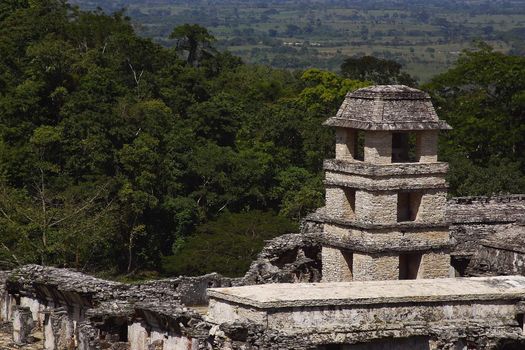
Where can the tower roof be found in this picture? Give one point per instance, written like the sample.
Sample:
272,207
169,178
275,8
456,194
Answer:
387,107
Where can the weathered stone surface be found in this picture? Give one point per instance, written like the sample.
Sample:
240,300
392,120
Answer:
393,183
385,240
5,315
22,324
501,254
473,219
337,265
289,258
387,171
445,310
287,295
387,107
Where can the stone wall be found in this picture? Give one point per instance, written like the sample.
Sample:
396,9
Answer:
340,202
375,267
435,265
290,258
474,219
337,265
378,147
501,254
489,261
376,207
345,140
426,146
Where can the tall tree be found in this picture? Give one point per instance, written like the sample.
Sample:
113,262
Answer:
195,40
376,70
483,99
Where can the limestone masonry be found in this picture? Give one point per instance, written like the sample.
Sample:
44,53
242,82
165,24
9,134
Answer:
386,264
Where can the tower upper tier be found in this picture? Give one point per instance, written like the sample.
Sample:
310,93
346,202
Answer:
388,108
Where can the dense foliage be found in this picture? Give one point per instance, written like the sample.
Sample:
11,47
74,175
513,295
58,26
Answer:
228,244
119,154
483,98
113,148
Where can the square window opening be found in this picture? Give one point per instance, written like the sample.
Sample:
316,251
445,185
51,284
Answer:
350,203
359,145
460,265
349,259
404,147
409,266
408,206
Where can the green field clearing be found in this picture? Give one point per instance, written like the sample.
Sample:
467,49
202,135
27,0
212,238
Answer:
426,39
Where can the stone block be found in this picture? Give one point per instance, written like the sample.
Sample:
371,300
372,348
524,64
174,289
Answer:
22,324
434,265
36,309
59,330
138,337
376,207
373,267
378,147
337,265
432,207
6,305
427,146
340,202
345,143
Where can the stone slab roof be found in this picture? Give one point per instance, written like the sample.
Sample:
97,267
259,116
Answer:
31,277
502,209
284,295
387,107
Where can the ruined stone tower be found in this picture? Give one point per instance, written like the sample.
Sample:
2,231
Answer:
385,190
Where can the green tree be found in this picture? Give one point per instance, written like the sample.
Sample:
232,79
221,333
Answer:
375,70
195,40
227,245
483,99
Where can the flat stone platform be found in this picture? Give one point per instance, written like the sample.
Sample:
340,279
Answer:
373,292
353,311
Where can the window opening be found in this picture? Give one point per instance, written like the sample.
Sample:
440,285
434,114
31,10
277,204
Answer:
408,206
404,147
409,266
359,145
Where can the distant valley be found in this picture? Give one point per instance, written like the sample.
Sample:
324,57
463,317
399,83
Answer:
425,36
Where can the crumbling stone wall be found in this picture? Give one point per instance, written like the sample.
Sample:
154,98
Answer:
501,254
77,311
490,261
291,258
474,219
88,313
4,298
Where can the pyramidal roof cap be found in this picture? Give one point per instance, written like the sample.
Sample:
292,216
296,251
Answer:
388,107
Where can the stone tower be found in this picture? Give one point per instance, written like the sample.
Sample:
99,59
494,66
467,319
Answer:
385,190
